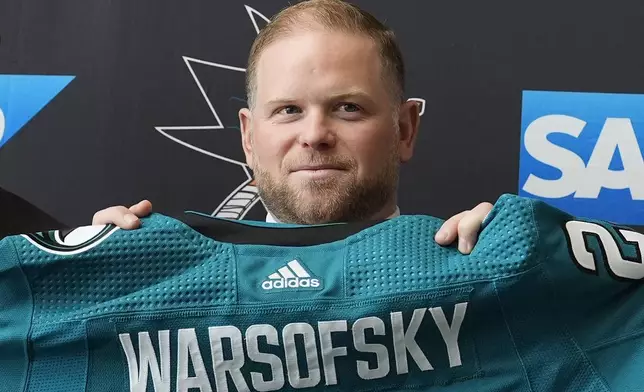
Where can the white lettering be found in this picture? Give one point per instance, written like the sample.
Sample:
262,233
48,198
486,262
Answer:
291,283
582,256
188,348
382,355
296,357
537,144
405,341
585,180
450,333
329,352
616,135
290,351
148,359
619,266
277,370
231,366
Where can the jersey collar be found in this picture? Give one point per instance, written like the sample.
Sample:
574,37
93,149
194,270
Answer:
271,219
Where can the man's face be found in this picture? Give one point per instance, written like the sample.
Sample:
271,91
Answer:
324,138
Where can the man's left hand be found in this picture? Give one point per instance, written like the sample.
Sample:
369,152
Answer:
464,226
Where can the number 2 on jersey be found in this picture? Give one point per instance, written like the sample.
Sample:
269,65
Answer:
621,253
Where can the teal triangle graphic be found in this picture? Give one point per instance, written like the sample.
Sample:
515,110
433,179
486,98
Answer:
22,97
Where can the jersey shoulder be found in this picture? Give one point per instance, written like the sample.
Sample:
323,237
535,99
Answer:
101,242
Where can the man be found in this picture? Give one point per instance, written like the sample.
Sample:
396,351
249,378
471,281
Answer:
327,125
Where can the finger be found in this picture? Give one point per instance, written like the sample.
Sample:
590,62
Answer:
142,208
119,216
470,225
448,230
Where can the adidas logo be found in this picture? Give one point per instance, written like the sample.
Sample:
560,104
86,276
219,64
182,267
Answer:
291,276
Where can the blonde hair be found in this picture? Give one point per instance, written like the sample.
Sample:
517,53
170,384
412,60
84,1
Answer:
335,15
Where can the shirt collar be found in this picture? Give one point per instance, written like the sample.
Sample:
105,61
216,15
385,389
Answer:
271,219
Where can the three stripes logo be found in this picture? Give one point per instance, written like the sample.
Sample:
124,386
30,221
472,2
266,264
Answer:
291,276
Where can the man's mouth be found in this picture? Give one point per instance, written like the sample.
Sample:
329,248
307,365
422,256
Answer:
317,171
316,168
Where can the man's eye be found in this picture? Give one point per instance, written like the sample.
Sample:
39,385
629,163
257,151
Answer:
350,107
290,109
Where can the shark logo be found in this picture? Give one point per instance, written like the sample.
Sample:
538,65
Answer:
70,242
245,196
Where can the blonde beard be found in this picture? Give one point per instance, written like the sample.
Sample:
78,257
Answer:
330,201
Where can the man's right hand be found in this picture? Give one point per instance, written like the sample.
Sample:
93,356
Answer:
123,217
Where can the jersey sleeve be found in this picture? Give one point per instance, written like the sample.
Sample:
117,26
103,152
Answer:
15,318
596,270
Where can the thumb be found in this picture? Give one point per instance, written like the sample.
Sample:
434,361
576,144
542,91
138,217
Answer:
142,208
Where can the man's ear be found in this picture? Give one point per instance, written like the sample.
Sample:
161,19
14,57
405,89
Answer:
245,124
408,123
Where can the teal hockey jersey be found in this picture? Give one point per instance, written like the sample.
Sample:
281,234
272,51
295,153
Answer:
545,302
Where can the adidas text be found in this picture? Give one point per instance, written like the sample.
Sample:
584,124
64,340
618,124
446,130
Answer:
290,283
292,275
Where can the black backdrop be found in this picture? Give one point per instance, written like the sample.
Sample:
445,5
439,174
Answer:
150,75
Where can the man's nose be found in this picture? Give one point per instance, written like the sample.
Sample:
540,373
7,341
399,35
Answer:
317,132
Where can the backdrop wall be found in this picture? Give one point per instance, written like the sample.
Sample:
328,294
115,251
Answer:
105,103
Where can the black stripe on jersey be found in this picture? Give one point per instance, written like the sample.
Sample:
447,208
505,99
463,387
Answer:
237,232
